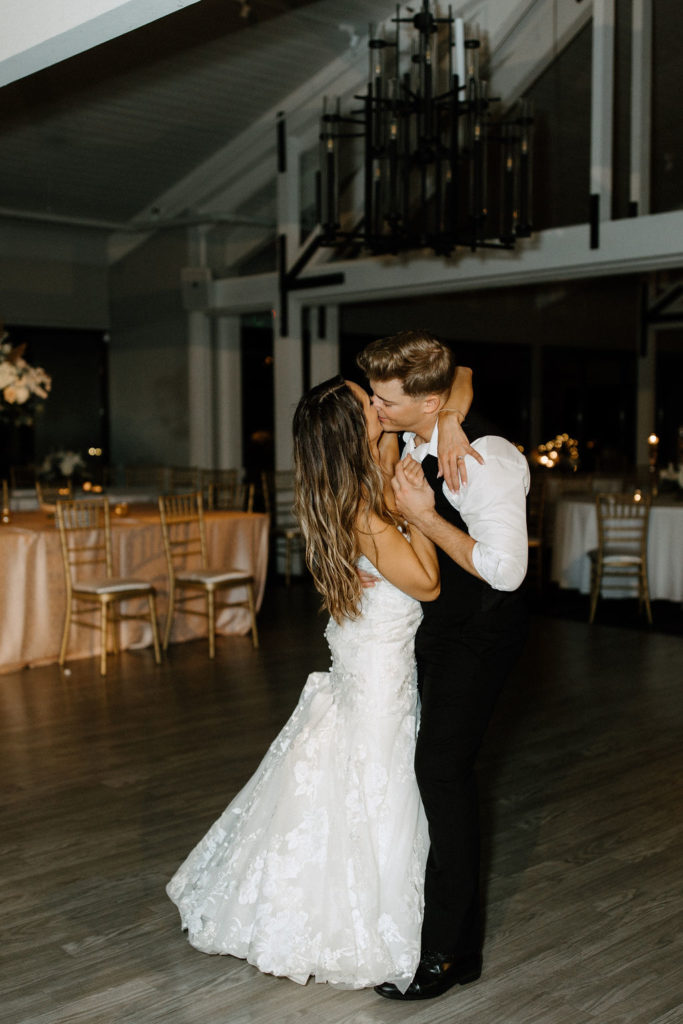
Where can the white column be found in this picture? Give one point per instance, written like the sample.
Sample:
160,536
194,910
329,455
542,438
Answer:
324,345
228,393
288,381
602,105
641,90
200,390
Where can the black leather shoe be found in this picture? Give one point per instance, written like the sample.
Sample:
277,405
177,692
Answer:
436,973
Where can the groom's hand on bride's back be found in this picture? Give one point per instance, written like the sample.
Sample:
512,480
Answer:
367,579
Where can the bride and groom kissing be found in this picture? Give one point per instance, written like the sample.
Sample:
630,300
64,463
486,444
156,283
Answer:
352,854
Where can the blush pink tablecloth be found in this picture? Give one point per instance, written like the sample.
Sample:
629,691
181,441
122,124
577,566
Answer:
32,589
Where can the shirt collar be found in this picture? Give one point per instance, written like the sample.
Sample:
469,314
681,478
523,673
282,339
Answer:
424,448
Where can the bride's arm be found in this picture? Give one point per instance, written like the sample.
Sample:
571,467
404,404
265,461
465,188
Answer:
387,458
411,566
453,442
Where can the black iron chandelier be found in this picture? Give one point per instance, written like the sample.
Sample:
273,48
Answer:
440,172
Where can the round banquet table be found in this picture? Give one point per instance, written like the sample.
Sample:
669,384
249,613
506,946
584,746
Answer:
33,593
576,534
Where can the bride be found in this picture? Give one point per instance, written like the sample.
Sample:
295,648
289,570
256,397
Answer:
316,867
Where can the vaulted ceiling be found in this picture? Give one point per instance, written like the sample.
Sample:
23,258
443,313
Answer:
179,115
104,134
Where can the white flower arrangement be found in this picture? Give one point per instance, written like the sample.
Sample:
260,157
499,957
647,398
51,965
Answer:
20,383
61,465
672,474
562,451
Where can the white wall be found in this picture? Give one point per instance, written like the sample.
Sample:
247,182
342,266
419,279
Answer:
38,33
148,369
52,276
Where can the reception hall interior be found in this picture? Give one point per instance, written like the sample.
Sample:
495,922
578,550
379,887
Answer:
208,207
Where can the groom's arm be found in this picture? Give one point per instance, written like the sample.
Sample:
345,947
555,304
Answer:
415,500
493,508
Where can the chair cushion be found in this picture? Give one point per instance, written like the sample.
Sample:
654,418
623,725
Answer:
113,586
208,576
616,557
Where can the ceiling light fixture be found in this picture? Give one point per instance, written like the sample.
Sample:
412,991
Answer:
440,171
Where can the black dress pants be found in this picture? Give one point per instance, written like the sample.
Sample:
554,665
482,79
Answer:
461,671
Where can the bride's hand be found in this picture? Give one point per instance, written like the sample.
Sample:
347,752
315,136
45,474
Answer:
452,448
366,578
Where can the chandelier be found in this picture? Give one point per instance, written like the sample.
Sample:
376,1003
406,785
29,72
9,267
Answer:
439,171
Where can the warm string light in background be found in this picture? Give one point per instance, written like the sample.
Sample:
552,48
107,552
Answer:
556,453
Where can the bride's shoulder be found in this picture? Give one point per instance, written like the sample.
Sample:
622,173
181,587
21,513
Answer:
369,523
378,538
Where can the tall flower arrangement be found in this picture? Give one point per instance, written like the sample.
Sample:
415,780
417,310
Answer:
21,386
562,452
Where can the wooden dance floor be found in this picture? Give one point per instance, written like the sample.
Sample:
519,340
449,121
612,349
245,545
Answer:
106,785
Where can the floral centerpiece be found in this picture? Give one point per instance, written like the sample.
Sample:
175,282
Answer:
61,465
561,453
21,385
671,478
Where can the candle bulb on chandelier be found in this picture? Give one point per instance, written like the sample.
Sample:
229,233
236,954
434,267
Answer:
653,442
6,517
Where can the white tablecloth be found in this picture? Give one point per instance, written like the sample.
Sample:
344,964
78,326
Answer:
576,533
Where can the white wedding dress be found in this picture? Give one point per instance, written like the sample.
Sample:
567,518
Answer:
316,868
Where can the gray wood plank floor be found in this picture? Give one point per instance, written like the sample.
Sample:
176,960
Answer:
106,785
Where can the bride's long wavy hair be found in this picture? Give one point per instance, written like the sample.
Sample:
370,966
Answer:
335,474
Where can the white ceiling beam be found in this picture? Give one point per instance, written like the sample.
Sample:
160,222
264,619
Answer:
39,33
629,246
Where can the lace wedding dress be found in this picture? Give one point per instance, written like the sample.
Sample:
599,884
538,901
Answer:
316,868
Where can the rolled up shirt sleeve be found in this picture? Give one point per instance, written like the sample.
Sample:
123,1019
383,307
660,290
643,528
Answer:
493,507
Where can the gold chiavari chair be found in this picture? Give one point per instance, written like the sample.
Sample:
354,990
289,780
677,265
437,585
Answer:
49,494
152,476
85,537
222,489
621,554
278,497
184,535
218,479
184,478
239,498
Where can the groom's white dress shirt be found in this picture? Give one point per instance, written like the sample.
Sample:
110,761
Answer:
492,505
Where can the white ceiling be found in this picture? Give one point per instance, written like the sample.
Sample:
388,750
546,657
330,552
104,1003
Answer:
163,120
103,134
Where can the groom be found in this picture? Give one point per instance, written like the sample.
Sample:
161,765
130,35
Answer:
468,640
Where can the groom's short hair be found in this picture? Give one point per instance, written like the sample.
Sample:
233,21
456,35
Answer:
422,363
